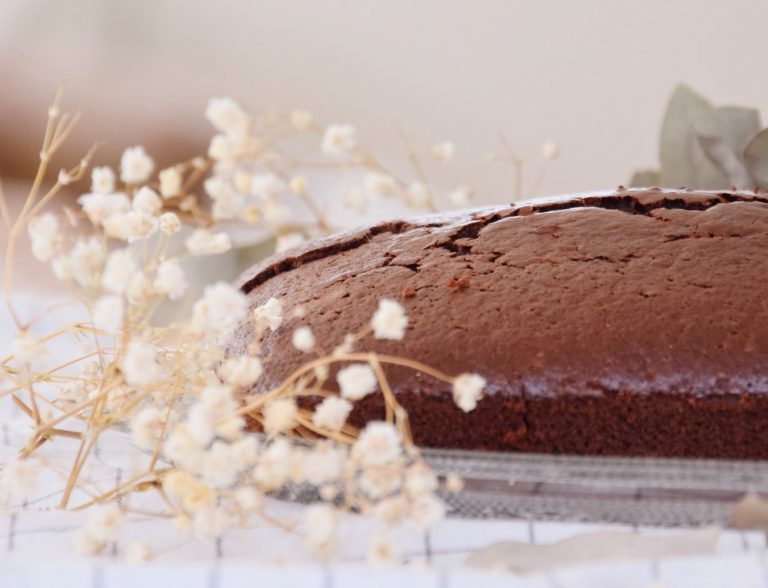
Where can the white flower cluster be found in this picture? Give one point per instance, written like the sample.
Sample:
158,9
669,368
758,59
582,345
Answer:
219,311
389,321
18,481
467,390
182,397
102,526
255,176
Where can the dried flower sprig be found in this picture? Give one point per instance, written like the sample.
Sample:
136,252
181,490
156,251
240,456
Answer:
172,386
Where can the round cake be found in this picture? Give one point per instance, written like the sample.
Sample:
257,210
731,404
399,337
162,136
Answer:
624,323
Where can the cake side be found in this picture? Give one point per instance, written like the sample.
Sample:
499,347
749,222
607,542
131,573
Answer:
627,323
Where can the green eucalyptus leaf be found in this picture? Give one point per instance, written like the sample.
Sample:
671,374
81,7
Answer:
683,160
733,124
645,178
723,133
756,157
726,160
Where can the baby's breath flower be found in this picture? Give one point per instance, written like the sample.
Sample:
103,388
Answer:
118,271
419,480
378,444
339,139
98,207
198,497
135,165
242,371
231,428
320,521
86,545
550,150
221,149
102,180
147,427
378,481
215,407
298,185
378,185
147,201
139,290
467,390
280,416
328,492
267,185
183,522
454,484
276,215
170,280
251,213
417,195
242,181
188,203
170,223
461,196
131,226
104,523
269,315
391,511
354,199
427,511
444,151
289,241
382,552
389,321
245,452
62,267
227,116
18,479
108,313
248,499
322,372
137,552
183,448
217,467
82,264
332,413
220,309
139,364
324,463
64,178
176,483
228,208
275,464
45,236
203,242
346,346
227,202
300,119
170,182
356,381
303,339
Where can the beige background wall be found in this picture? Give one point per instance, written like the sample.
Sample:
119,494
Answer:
592,74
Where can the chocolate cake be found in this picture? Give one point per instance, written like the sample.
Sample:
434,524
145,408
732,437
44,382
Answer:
624,323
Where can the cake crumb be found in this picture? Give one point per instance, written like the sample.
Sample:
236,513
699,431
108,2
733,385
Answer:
458,284
409,292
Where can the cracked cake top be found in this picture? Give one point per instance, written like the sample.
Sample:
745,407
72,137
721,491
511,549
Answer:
635,290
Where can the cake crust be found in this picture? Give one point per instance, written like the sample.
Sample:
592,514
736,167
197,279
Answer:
626,323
